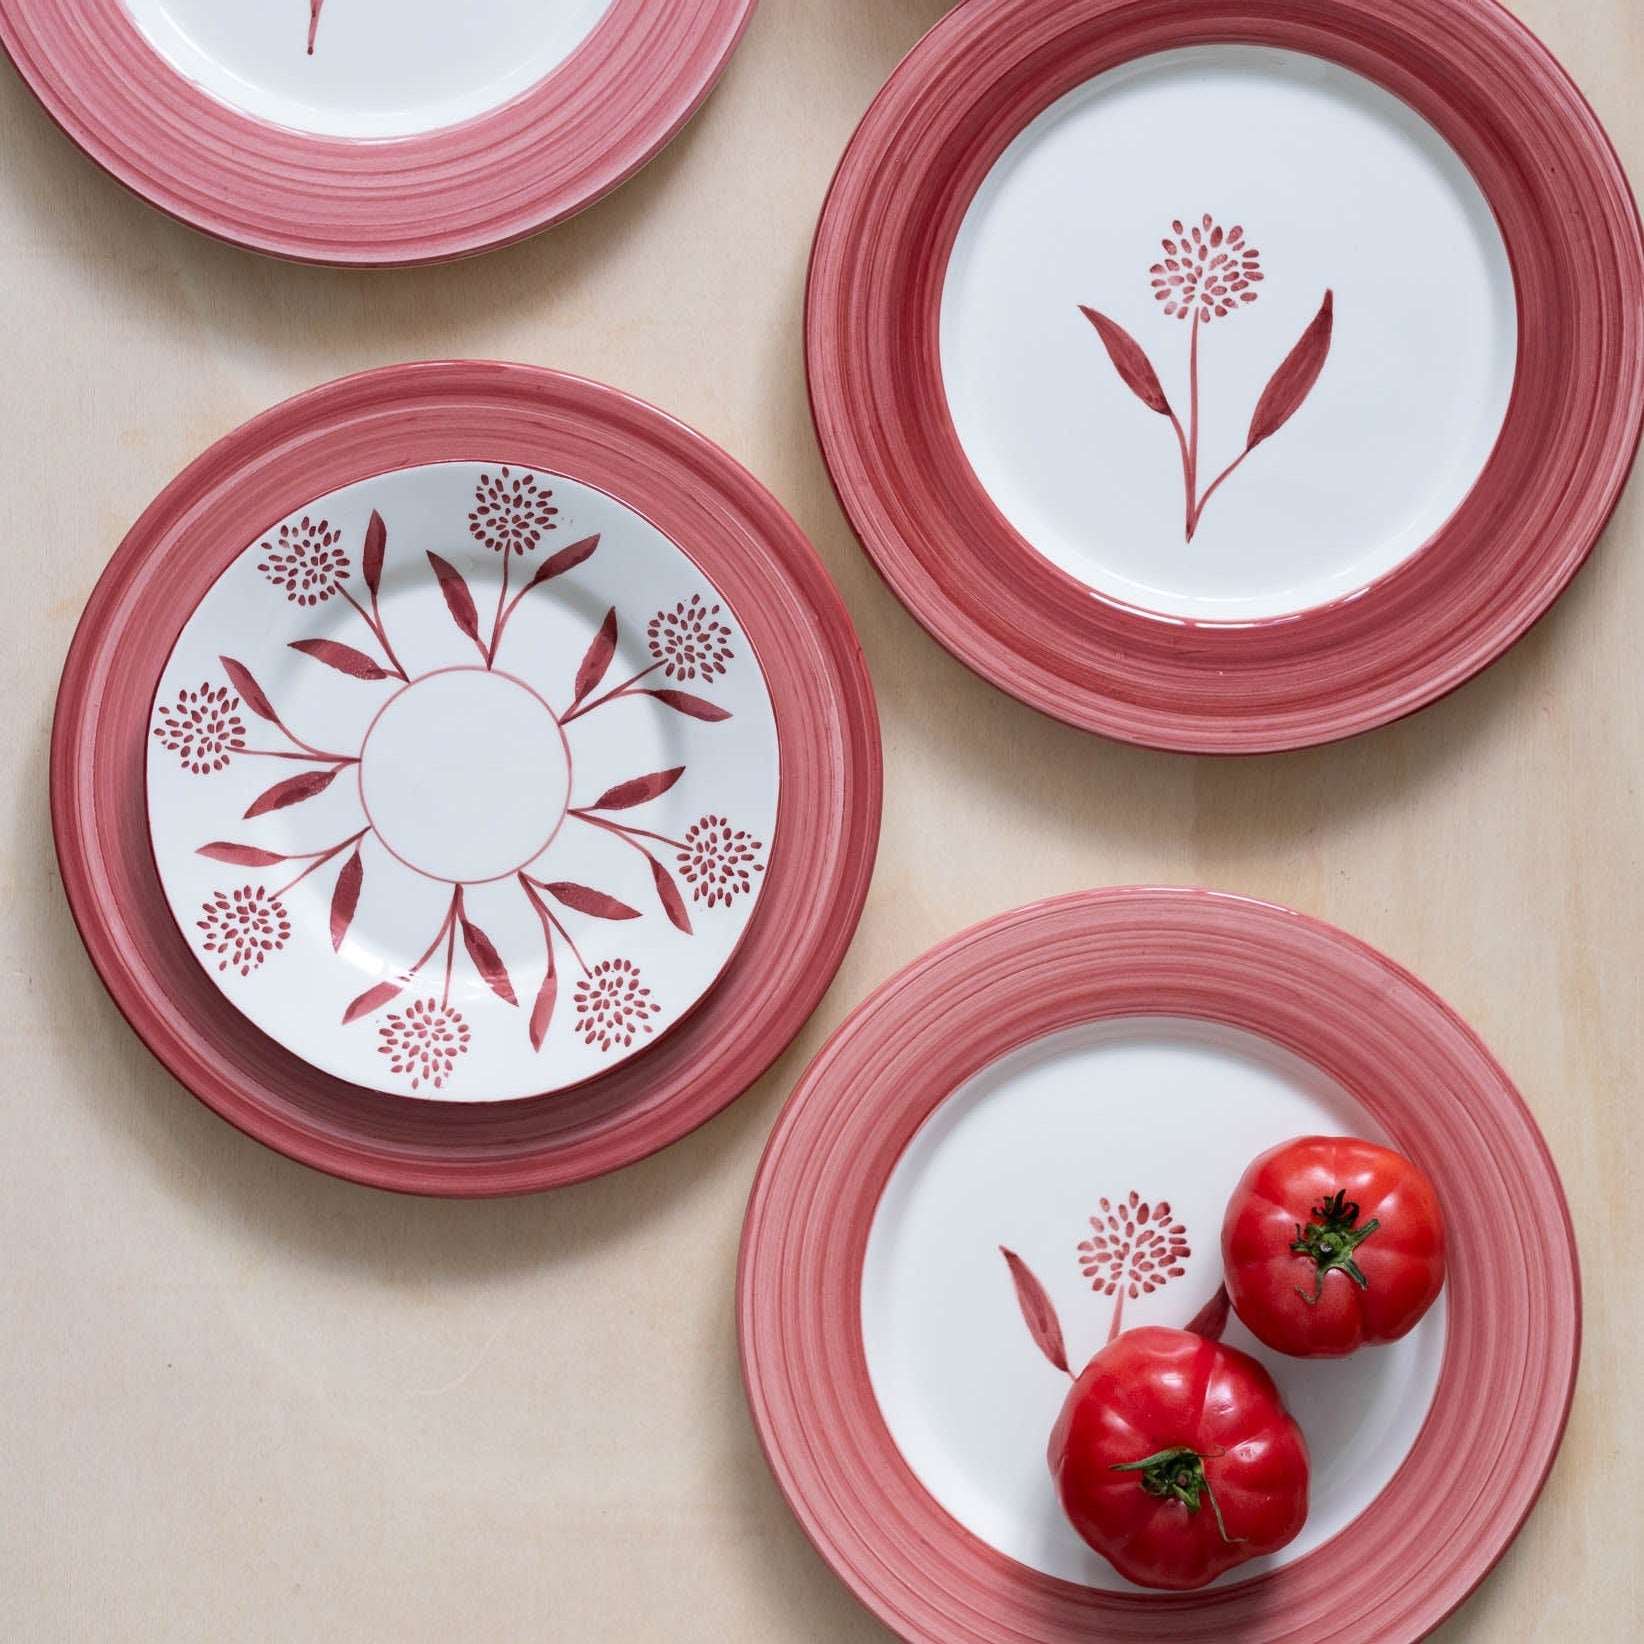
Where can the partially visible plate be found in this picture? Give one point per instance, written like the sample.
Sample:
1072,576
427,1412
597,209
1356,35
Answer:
1082,1082
371,131
1224,376
710,845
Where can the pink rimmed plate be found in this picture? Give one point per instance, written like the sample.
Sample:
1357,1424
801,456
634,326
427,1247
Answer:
495,732
1081,1083
1228,375
371,132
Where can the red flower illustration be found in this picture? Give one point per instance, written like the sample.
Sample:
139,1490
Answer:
204,728
1208,269
1136,1245
424,1040
243,927
612,1006
307,562
510,512
690,640
1207,273
718,861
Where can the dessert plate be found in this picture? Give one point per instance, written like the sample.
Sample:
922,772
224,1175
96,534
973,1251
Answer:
492,732
535,832
1228,376
1072,1090
371,131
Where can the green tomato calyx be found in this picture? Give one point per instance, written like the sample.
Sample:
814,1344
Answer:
1331,1240
1178,1475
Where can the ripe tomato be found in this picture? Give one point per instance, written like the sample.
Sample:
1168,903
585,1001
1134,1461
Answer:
1330,1243
1176,1459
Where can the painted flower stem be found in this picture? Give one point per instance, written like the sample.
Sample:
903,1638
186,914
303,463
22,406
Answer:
631,835
302,758
318,860
373,620
546,913
624,689
504,610
1115,1324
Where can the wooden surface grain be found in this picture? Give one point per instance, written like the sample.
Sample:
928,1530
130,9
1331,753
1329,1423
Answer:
242,1401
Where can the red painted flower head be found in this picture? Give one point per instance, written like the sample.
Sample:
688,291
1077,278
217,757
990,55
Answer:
1134,1245
424,1041
1206,270
243,927
306,561
204,729
719,861
690,640
612,1006
511,512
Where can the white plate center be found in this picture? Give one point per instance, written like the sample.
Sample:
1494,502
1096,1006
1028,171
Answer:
366,68
1334,186
1024,1155
466,775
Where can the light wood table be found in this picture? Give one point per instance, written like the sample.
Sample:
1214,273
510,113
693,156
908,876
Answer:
241,1401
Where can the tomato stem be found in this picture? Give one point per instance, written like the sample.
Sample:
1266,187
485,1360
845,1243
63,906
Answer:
1178,1474
1330,1241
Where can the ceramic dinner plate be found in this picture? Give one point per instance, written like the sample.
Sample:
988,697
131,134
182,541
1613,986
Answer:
1228,376
371,131
465,778
1081,1083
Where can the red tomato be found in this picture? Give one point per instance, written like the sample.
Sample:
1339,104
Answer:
1330,1243
1176,1459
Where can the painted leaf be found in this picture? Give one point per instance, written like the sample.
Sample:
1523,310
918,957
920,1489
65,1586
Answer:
1211,1319
638,790
293,791
673,904
567,559
542,1012
458,601
251,693
682,702
487,961
313,22
1293,381
1129,361
598,657
344,658
372,999
244,856
376,550
1038,1310
345,898
594,903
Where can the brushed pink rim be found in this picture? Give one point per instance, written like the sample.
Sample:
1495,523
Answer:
1514,1298
573,137
821,855
1570,435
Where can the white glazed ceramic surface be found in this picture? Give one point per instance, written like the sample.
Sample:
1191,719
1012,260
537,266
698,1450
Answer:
374,819
1337,187
377,68
1023,1156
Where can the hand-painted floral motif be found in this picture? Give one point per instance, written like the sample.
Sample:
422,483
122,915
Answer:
1206,269
718,861
306,562
202,728
314,8
612,1005
689,641
510,512
242,927
1134,1249
423,1036
423,1042
1209,273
